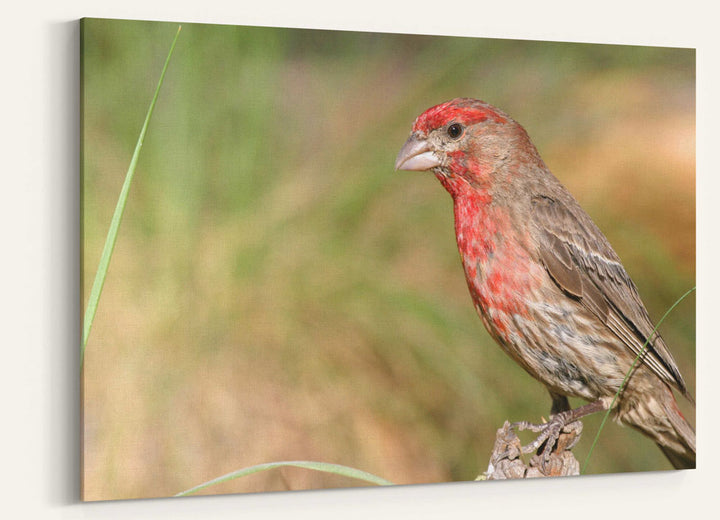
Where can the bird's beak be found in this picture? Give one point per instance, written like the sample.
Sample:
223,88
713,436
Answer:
416,155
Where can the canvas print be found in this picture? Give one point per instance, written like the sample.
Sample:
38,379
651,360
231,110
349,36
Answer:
316,259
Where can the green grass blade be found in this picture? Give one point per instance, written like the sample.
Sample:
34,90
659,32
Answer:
627,376
117,216
337,469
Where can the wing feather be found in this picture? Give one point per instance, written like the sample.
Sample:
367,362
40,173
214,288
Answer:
582,263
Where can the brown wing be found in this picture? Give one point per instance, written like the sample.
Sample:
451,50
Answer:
582,263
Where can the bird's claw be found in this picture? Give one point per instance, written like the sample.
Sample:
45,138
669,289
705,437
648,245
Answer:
549,436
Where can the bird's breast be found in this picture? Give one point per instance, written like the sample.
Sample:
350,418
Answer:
500,272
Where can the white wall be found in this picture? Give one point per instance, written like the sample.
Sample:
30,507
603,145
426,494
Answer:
39,460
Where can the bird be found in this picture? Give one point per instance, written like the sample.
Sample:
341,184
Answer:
546,282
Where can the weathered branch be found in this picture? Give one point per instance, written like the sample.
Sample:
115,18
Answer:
507,460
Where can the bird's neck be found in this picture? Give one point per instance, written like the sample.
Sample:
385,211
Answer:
459,187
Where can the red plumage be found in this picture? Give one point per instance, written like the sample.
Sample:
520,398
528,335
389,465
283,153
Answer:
544,279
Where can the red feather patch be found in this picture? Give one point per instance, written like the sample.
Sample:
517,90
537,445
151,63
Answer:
461,110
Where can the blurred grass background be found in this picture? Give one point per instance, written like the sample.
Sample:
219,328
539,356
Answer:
278,292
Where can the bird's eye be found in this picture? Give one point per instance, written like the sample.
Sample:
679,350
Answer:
455,130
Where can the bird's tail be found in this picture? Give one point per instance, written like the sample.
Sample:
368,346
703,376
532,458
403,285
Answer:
679,444
658,416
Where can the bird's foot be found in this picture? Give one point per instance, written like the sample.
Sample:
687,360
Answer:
555,436
565,422
551,449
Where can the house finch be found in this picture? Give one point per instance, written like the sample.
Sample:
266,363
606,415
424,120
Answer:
544,279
